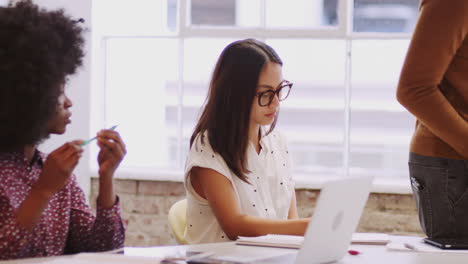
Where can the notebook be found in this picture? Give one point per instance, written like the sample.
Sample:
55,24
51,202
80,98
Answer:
329,233
287,241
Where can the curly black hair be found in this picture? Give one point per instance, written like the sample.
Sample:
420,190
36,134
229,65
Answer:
38,50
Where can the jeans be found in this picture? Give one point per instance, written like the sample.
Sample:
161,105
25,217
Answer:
440,188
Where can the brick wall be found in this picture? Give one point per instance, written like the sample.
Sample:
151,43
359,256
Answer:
145,205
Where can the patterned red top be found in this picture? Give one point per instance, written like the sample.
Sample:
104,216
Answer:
67,225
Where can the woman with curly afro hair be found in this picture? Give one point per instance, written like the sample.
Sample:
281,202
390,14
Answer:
43,211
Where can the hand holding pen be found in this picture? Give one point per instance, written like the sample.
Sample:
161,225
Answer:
58,168
112,152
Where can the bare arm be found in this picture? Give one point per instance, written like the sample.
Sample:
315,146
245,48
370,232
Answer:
219,192
293,208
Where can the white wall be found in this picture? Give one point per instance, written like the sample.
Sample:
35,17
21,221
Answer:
78,89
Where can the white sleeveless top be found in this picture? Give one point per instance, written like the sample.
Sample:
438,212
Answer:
268,196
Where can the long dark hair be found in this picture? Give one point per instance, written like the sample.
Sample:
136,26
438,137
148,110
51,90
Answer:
226,114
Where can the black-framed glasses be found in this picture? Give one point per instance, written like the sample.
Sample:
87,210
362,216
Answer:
265,98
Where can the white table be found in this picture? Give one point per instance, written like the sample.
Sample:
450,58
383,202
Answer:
368,254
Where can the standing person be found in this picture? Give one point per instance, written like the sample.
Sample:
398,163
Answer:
42,209
237,174
434,87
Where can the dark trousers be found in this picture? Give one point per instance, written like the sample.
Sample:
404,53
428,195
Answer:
440,188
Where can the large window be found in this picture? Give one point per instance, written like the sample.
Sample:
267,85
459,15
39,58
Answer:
153,61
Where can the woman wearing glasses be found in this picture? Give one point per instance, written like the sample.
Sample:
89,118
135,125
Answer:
237,174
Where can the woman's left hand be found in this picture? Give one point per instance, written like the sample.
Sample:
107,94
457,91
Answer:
112,152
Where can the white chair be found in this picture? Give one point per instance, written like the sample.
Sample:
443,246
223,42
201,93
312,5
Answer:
177,220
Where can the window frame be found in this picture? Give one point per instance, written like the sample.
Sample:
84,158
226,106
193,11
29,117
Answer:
343,31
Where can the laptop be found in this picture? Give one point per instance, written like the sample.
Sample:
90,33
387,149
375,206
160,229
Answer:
336,217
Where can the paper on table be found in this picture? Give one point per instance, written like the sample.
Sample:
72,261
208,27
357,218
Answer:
94,258
37,260
284,241
238,259
417,244
153,252
370,239
287,241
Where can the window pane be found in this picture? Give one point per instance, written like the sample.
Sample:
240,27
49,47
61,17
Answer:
230,13
136,17
312,117
385,15
138,73
380,127
301,13
201,55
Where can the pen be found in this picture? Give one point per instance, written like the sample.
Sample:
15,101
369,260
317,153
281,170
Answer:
409,246
91,139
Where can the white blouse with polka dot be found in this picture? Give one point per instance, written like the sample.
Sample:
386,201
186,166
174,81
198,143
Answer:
268,196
